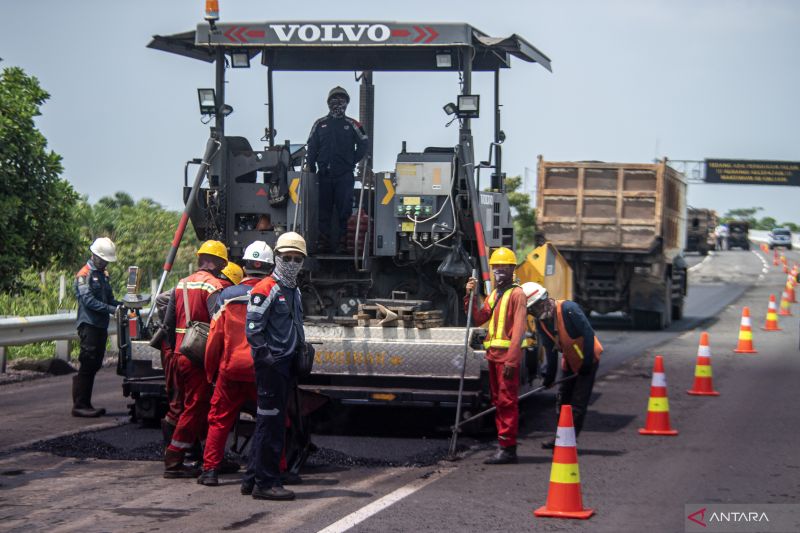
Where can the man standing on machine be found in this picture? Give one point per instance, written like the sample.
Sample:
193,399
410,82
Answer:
335,146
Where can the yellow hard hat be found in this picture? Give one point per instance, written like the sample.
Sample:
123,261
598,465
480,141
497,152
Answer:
233,272
503,256
214,248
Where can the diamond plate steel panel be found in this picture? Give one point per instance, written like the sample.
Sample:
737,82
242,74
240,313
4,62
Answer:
395,352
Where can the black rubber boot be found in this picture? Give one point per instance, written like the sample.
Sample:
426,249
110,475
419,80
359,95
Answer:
504,456
247,487
272,493
174,467
89,389
208,478
80,395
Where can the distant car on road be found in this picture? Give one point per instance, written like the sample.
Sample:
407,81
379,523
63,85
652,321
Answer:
780,237
738,237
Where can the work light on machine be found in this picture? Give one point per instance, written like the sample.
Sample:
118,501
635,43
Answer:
240,59
444,60
208,101
469,105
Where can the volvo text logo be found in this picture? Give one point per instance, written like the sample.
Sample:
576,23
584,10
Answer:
331,33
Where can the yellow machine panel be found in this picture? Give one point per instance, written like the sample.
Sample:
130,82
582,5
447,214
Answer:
544,265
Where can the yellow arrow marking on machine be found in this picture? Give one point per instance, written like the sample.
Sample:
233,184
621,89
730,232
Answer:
293,189
389,191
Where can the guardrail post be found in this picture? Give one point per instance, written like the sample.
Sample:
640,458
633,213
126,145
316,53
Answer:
62,350
2,359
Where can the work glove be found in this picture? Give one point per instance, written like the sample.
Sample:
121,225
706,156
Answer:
508,371
586,367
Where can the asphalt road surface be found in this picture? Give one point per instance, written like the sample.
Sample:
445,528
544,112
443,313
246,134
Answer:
383,472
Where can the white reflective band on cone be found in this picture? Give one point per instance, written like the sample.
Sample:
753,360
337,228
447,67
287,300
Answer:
659,379
746,321
565,437
704,351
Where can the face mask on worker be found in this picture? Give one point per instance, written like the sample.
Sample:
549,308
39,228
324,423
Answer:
503,275
286,271
337,106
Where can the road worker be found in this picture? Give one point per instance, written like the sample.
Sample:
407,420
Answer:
275,333
504,309
563,327
232,274
335,146
228,360
212,256
95,303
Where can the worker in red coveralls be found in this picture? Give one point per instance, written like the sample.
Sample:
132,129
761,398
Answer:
506,313
212,257
228,360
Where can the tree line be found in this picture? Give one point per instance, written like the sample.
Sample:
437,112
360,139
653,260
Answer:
48,227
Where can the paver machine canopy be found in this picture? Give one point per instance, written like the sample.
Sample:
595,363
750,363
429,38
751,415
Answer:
427,211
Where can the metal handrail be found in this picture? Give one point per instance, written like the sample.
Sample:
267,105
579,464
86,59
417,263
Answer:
22,330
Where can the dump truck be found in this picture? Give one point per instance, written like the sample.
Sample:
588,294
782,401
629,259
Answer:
738,234
700,230
622,228
386,313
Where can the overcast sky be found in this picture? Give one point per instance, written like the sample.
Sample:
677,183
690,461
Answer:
631,80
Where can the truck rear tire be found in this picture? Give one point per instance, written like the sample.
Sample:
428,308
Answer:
677,309
648,320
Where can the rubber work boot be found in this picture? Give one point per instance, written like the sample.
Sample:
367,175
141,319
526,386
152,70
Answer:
174,467
247,487
503,456
89,389
80,404
272,493
208,478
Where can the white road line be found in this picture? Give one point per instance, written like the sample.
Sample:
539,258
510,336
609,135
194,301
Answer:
763,262
379,505
710,254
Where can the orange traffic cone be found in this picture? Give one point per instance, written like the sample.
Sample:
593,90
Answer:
772,316
790,292
786,308
745,334
658,405
703,383
564,495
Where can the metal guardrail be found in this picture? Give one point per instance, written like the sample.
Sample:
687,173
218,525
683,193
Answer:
19,331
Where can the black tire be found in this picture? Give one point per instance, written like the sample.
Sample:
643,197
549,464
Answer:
789,247
666,316
703,251
677,310
647,320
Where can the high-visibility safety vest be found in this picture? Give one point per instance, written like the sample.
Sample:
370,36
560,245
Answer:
571,348
497,323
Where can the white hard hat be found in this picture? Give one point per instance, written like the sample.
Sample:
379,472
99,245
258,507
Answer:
259,251
533,292
291,242
105,249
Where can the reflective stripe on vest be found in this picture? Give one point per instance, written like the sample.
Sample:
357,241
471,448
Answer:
498,325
